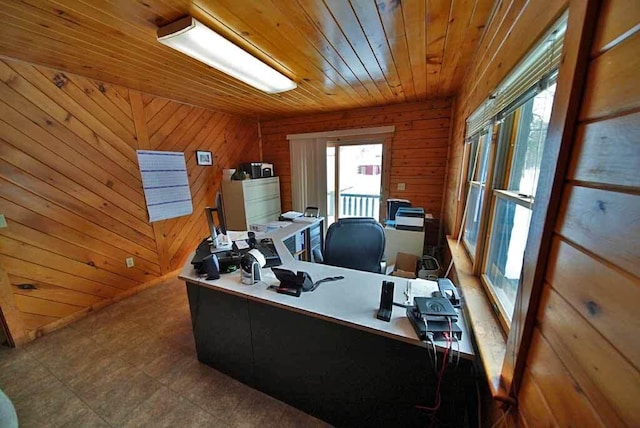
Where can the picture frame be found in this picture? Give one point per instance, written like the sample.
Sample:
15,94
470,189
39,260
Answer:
204,158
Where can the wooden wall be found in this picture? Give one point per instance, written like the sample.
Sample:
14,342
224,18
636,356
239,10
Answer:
71,190
582,367
585,356
418,151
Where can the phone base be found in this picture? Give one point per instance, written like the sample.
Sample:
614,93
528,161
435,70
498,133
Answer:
437,328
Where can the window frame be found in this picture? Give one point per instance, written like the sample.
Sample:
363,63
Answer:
486,282
477,252
501,124
505,383
498,169
506,146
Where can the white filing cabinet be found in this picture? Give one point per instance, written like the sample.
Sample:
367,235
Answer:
403,241
251,201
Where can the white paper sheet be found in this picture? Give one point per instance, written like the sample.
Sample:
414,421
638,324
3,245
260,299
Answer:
236,235
420,288
165,183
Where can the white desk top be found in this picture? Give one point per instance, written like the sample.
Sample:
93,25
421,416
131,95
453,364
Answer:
353,301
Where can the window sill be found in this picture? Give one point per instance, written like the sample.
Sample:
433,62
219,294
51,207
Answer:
489,336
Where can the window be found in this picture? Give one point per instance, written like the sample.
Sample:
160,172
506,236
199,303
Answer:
505,141
479,150
516,181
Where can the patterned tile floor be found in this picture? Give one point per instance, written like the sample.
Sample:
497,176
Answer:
133,364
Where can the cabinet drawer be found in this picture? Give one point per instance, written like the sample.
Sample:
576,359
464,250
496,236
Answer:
260,189
262,206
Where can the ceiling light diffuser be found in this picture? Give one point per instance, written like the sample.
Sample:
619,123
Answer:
192,38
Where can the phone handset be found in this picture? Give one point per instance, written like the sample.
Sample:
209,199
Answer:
449,291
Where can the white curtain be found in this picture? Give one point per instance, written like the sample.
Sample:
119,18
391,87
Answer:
309,173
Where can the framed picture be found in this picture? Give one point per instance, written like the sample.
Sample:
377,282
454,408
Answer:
204,158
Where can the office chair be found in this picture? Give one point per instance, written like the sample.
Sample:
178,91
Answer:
354,243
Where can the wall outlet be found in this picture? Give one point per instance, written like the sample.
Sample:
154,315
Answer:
129,262
3,221
401,186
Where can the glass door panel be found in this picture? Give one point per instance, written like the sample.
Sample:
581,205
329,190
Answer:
359,180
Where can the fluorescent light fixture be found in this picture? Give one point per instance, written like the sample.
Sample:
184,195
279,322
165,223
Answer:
196,40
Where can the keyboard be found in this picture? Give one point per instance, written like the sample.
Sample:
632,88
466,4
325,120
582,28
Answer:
268,250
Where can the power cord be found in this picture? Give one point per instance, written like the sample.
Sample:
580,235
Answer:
440,373
402,305
328,279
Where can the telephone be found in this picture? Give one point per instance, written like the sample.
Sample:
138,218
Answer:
386,301
449,291
311,212
295,283
292,283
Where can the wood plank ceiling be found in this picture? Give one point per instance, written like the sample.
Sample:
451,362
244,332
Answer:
342,53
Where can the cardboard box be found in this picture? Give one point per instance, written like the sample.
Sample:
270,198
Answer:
406,266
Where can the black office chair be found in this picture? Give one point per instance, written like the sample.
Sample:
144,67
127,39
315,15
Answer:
354,243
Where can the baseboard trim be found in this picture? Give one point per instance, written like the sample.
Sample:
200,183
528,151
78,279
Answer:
62,322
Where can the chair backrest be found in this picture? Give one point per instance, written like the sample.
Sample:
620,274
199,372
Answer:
355,243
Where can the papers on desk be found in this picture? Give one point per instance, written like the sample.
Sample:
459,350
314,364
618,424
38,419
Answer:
305,219
240,237
290,215
277,225
420,288
237,235
241,244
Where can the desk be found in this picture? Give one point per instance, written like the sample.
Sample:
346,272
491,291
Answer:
324,352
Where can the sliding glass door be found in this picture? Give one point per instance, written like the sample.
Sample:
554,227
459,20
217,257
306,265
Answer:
354,180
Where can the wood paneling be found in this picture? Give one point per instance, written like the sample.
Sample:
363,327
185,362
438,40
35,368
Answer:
71,191
342,54
617,19
589,312
603,220
418,150
619,65
609,152
579,277
598,369
564,396
186,128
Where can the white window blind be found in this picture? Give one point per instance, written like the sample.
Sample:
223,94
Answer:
528,78
480,118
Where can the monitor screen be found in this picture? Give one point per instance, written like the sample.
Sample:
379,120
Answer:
219,209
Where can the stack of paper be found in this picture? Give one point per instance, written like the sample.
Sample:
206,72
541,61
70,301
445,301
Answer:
305,219
290,215
277,225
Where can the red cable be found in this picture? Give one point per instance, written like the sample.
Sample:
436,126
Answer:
436,405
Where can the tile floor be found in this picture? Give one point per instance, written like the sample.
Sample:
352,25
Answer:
133,364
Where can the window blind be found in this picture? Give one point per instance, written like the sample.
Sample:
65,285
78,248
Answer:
535,70
480,118
529,77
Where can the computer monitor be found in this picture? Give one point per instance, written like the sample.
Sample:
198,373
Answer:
219,209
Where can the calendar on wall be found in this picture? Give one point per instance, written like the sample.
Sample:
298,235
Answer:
165,183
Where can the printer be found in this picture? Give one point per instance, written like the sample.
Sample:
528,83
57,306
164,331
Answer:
392,208
408,218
